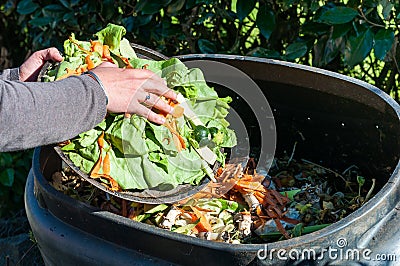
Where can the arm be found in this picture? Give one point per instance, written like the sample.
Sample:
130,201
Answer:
33,113
9,74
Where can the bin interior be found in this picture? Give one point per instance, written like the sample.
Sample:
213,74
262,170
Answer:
335,123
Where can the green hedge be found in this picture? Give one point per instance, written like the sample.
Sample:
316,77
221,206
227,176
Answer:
356,38
14,168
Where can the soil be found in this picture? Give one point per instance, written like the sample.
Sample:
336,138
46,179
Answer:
17,244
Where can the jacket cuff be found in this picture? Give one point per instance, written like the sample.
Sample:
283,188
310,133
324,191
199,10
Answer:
100,95
11,74
14,74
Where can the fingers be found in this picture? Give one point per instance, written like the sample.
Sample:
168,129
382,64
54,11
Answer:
155,84
135,91
107,64
30,69
50,54
148,114
151,82
162,90
170,94
153,101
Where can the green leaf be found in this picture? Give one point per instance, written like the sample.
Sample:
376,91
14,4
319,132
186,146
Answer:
38,22
207,2
186,229
74,2
26,7
385,8
122,132
360,180
384,39
7,177
149,7
229,205
314,28
357,48
313,228
111,36
55,8
68,16
341,30
126,49
290,193
266,21
65,3
296,50
338,15
331,49
262,52
143,20
175,6
206,47
5,160
108,9
370,3
157,208
244,7
298,230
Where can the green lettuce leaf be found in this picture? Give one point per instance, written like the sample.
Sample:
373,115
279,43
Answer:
126,49
111,36
128,135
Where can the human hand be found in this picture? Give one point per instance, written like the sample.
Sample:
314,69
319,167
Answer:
30,69
134,91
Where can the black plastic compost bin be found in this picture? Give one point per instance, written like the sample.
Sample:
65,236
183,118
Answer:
342,121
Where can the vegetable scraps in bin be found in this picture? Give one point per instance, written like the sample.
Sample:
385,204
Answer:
244,206
129,152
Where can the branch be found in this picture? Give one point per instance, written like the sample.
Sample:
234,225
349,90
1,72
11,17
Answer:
366,71
187,31
394,52
395,62
373,67
367,20
396,25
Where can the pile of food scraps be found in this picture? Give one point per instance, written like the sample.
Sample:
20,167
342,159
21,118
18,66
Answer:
128,152
244,206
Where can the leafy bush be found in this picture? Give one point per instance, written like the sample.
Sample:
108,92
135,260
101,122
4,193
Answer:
353,37
358,38
14,168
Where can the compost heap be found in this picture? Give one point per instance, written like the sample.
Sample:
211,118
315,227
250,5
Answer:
297,197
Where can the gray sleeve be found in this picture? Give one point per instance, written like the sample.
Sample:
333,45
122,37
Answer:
9,74
34,113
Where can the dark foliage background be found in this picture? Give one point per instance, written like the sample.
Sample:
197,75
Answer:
353,37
